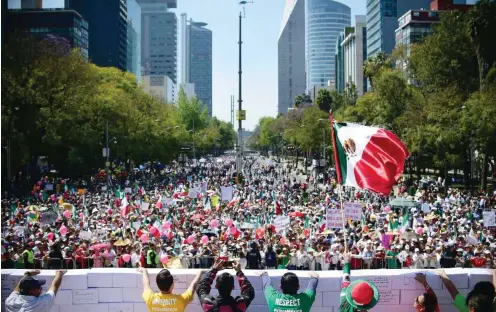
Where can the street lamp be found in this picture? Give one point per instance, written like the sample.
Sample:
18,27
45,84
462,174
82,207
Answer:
107,155
323,142
239,156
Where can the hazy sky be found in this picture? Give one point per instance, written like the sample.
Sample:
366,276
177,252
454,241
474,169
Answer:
260,32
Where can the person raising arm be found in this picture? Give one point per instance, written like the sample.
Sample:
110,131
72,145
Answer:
27,293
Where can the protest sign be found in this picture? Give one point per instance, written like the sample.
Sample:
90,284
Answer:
226,193
353,211
281,223
489,218
334,219
145,206
85,234
48,187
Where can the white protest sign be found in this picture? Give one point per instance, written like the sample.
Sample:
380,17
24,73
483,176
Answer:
204,186
226,193
136,225
85,234
167,201
145,206
334,219
128,190
48,187
193,193
426,208
353,211
489,218
281,223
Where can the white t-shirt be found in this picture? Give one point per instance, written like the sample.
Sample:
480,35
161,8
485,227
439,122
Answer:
20,303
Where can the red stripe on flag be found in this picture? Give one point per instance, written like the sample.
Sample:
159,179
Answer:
382,162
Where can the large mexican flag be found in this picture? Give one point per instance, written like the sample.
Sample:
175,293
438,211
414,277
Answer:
369,158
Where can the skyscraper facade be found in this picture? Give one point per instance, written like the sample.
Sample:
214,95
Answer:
108,40
325,20
159,38
339,64
382,21
134,38
68,24
354,48
291,55
196,60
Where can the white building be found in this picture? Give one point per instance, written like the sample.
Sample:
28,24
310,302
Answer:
354,51
189,89
161,87
291,55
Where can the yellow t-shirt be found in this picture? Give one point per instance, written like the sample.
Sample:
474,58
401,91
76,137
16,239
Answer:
158,302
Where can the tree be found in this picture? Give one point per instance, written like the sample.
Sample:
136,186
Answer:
351,93
446,58
302,99
324,100
374,65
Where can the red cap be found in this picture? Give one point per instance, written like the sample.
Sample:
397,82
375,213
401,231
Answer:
362,294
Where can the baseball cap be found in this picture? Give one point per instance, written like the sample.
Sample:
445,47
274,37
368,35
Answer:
30,283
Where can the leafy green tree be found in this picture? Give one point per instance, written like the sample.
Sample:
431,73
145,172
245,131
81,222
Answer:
373,65
324,100
302,99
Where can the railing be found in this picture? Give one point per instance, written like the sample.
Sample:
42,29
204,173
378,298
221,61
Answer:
205,262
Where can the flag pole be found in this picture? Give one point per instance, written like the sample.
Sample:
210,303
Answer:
339,177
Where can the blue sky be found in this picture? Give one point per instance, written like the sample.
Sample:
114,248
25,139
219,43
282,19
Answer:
260,32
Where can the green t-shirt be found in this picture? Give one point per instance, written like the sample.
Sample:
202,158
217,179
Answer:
279,302
392,263
459,303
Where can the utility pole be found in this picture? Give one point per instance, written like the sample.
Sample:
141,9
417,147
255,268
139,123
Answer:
239,159
232,120
107,162
194,148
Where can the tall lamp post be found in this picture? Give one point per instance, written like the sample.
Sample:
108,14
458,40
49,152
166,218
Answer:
107,155
239,156
324,142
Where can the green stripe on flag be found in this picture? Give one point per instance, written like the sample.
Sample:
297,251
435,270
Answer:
342,159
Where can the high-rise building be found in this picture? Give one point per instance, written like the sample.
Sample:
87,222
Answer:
354,49
134,38
196,60
339,64
159,38
107,22
291,55
382,21
325,19
68,24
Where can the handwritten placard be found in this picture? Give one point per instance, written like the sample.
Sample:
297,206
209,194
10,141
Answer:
334,219
353,211
281,223
85,296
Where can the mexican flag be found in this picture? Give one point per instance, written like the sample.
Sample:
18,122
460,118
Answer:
369,158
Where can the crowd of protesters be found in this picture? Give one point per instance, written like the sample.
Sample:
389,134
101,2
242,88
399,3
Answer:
180,216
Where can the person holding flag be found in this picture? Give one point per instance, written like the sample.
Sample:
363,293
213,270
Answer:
359,295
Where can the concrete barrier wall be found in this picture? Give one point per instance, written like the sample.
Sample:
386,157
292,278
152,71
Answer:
119,290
